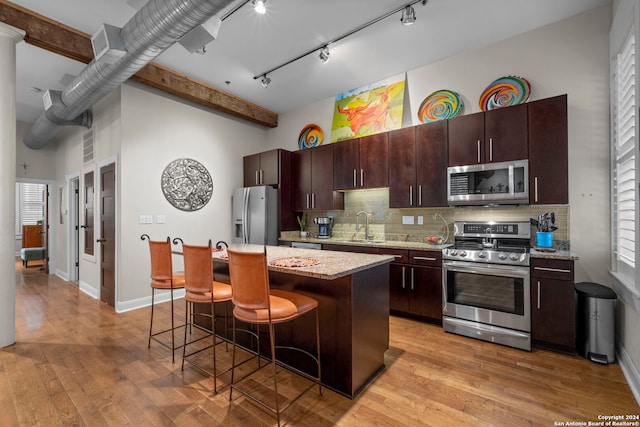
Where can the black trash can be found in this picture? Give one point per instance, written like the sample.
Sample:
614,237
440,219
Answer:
595,322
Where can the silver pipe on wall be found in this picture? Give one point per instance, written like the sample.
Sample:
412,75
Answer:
152,30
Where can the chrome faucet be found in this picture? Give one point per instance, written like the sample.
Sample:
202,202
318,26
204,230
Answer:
367,234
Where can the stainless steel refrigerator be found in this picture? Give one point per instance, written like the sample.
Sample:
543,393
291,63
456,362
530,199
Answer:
255,215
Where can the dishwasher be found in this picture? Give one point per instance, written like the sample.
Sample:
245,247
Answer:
306,245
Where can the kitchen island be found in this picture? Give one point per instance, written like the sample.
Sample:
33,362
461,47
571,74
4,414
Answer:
352,291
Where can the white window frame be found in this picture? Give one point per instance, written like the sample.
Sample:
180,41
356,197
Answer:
626,275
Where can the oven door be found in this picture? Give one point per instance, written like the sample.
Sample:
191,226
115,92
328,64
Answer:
491,294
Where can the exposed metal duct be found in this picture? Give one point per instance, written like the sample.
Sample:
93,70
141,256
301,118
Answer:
152,30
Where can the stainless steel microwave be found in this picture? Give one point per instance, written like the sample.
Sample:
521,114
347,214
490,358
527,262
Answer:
489,184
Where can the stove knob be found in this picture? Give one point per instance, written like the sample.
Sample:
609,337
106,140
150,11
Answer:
514,257
482,255
453,252
502,256
463,253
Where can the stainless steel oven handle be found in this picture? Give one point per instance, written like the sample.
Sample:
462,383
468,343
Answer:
507,271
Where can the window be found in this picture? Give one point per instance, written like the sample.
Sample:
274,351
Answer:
30,204
624,158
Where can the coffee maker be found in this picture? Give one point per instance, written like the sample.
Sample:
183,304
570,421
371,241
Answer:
324,227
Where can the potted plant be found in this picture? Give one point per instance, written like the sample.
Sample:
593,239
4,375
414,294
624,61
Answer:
302,222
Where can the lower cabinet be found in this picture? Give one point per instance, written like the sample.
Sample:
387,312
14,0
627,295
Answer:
553,318
415,284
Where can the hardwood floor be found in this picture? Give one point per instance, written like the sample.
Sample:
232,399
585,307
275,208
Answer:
77,362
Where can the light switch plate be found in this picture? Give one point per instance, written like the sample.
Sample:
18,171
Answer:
146,219
408,220
161,219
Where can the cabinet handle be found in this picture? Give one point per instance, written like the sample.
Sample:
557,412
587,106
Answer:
491,149
424,258
535,189
355,179
411,195
257,179
412,278
361,177
403,271
261,177
420,195
313,200
478,151
557,270
393,255
538,294
307,200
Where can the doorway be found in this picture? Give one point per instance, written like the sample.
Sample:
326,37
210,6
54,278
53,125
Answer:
107,238
33,198
73,197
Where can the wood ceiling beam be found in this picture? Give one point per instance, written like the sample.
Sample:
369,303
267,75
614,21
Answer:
58,38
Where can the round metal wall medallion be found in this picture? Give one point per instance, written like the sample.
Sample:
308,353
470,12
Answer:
186,184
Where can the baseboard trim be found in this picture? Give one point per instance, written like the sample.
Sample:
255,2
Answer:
134,304
62,274
629,371
89,290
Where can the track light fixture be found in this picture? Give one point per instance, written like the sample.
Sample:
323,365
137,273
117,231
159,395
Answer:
325,55
265,81
259,6
408,16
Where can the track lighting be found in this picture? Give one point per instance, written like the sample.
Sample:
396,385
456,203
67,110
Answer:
408,16
265,81
325,55
259,6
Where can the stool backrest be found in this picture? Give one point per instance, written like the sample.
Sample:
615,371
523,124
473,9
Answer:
249,279
161,267
198,268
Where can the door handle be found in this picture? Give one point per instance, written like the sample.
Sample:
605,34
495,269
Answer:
84,226
101,240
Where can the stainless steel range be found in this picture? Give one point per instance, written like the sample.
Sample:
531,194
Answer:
486,282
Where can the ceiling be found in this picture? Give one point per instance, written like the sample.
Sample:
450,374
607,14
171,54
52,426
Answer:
250,44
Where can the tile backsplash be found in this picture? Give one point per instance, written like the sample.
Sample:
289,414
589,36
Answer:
387,223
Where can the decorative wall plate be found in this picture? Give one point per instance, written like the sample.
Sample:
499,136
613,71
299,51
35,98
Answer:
440,105
310,136
186,184
504,92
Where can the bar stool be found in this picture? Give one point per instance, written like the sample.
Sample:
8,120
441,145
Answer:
201,287
255,303
163,278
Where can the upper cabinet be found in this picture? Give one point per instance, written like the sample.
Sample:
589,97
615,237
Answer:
493,136
548,151
361,163
312,180
262,169
418,166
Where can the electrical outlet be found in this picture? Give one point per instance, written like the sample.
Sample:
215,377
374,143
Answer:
161,219
420,220
146,219
408,220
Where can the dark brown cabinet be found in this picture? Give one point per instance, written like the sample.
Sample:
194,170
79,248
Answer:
415,283
548,151
418,166
488,137
553,304
312,180
262,168
361,163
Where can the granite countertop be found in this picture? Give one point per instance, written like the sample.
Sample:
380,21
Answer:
394,244
332,264
558,254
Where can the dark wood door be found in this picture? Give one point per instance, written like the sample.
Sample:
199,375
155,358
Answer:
269,167
399,292
251,168
301,179
374,161
107,234
402,168
548,151
346,164
322,177
431,165
426,292
505,132
89,214
553,313
466,138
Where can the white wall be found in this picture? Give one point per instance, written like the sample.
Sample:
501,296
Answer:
157,129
